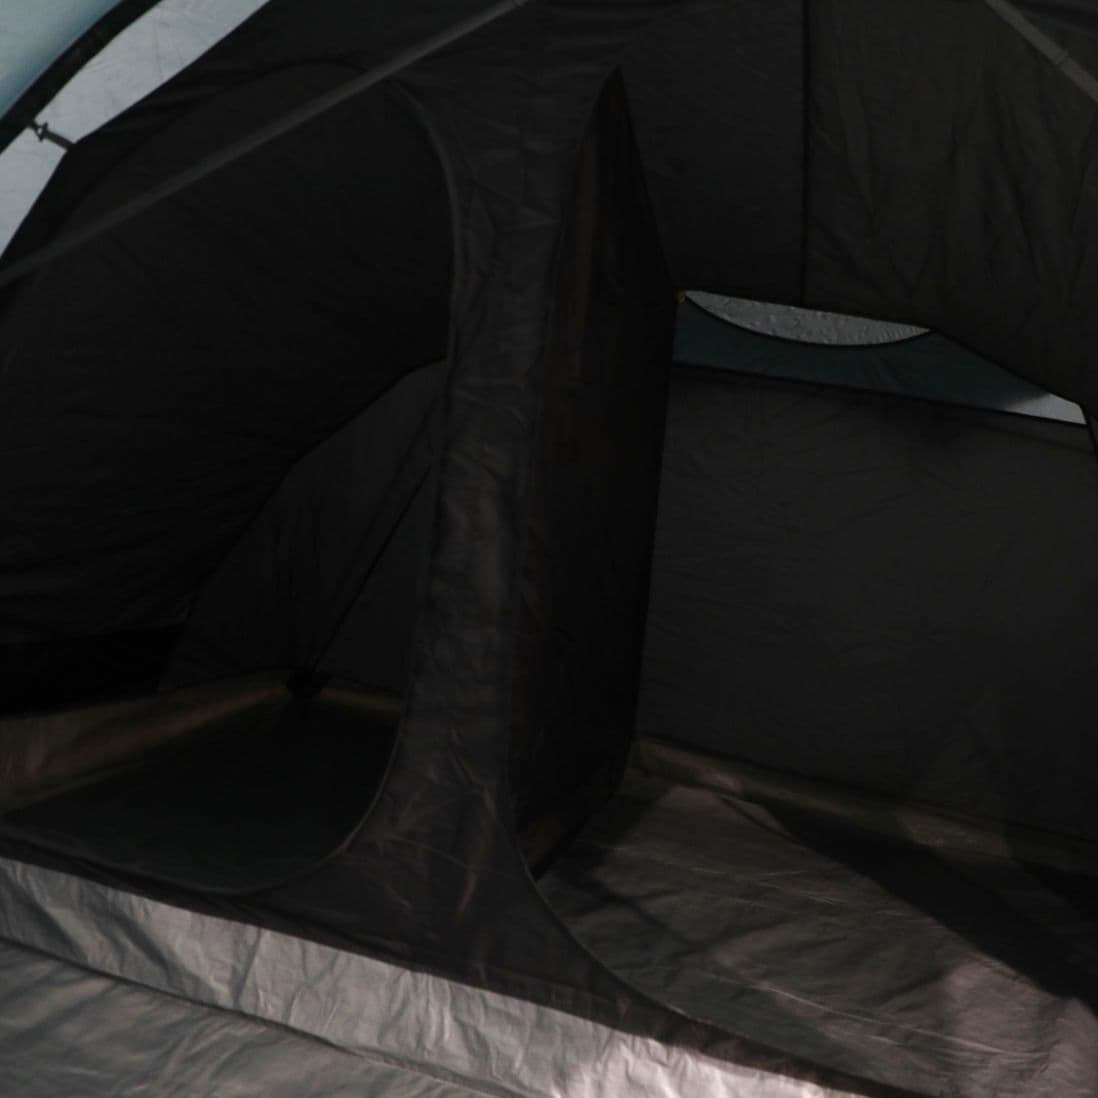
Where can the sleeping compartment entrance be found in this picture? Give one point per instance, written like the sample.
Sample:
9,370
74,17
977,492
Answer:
257,782
235,501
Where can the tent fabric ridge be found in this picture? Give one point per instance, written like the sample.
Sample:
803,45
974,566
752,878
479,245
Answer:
415,445
412,410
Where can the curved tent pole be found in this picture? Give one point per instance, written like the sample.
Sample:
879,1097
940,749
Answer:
256,140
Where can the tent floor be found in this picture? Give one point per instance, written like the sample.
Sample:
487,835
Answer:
67,1031
236,811
945,965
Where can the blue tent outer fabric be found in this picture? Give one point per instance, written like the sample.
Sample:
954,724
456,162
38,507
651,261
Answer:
95,80
45,45
34,35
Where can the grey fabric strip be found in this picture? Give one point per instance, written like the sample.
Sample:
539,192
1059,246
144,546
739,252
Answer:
1080,77
461,1034
67,1031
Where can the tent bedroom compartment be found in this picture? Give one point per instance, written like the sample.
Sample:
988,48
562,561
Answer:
425,629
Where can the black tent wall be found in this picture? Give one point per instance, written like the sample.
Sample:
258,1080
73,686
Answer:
919,162
937,561
946,153
204,378
329,575
584,585
747,67
461,900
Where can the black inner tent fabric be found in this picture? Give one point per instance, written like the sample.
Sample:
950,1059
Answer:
233,487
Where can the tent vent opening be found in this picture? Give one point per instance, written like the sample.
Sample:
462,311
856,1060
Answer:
853,352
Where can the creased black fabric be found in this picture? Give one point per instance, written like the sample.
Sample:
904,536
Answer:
878,591
717,95
157,385
435,875
952,183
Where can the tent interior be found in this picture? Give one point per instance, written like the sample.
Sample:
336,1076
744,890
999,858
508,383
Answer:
307,559
838,831
854,817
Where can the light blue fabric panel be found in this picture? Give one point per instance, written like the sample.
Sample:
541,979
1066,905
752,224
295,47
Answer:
34,33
